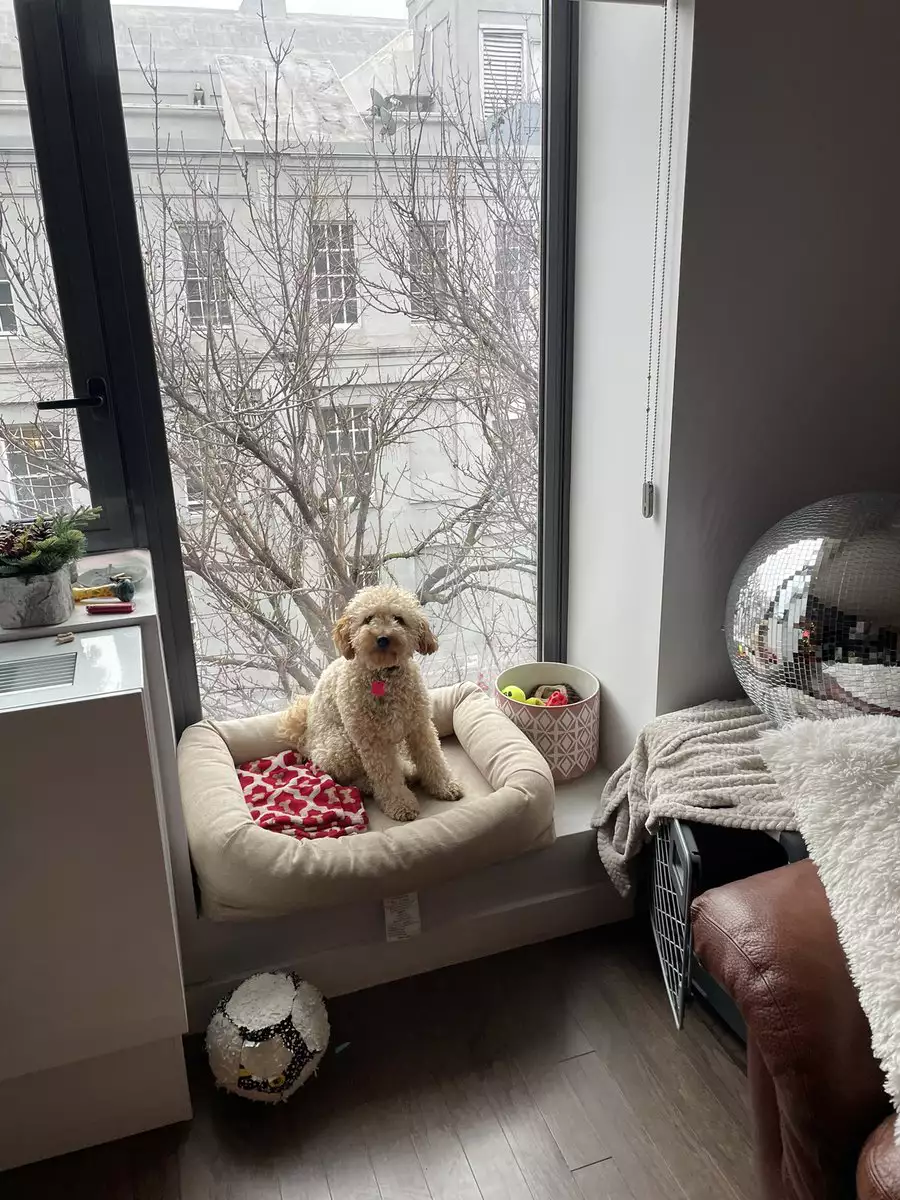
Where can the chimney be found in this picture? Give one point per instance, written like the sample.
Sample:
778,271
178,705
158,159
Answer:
273,10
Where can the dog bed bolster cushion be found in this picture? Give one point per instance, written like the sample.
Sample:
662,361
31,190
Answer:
245,871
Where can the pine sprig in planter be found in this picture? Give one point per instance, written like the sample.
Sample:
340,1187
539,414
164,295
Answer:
45,544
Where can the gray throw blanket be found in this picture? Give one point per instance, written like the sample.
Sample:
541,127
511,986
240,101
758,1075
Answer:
700,764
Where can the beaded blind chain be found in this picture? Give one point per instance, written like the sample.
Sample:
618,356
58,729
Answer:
660,249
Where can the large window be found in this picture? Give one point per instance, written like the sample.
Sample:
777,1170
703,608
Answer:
311,451
335,453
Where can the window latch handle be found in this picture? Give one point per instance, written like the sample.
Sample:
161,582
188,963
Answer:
95,398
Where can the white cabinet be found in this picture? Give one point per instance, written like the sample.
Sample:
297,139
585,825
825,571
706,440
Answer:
91,973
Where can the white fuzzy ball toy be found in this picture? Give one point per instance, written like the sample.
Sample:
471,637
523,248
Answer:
267,1036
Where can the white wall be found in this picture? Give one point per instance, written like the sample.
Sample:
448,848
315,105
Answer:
787,383
617,554
786,370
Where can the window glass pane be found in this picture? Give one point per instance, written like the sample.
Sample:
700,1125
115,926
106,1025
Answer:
340,221
41,463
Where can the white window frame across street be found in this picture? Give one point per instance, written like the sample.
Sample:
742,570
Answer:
353,421
212,311
340,303
513,265
424,305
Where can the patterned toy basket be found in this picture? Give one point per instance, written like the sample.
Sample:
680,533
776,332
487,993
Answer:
567,736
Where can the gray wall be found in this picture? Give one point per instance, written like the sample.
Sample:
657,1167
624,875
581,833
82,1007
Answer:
787,368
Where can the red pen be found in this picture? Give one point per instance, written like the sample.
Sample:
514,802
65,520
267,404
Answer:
115,607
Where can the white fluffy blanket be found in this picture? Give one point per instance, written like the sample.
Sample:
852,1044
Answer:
700,764
843,778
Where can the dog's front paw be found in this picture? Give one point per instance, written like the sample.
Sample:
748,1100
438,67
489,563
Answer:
402,807
448,791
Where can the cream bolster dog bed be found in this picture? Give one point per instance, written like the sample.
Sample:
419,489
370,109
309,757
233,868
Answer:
245,871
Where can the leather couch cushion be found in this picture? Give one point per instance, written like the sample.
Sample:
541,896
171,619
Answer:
878,1174
771,942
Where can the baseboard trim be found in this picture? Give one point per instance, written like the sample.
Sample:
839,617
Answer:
96,1100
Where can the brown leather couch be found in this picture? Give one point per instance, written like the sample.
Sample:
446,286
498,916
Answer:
822,1124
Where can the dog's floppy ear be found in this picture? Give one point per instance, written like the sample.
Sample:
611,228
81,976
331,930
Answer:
341,635
427,640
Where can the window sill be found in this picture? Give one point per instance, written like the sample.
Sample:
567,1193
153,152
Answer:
81,620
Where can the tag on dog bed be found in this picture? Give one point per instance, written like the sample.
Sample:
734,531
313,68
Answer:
401,917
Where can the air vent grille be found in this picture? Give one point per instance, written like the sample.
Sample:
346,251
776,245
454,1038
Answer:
27,674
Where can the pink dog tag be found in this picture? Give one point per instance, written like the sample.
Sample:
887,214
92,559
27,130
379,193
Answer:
377,687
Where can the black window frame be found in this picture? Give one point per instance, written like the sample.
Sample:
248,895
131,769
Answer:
71,82
60,147
559,151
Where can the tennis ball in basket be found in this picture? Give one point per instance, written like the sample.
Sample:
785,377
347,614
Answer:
514,693
536,701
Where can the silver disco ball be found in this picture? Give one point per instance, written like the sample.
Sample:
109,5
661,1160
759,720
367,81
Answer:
813,614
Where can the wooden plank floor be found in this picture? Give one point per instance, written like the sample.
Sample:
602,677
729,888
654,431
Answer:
549,1073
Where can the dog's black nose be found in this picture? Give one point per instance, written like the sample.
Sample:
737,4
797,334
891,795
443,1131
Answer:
383,643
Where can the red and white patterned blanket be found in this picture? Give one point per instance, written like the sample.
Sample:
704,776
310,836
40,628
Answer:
294,797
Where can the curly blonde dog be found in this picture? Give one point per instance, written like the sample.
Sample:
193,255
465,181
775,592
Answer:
368,722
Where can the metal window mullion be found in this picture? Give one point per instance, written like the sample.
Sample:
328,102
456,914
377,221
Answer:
61,171
558,180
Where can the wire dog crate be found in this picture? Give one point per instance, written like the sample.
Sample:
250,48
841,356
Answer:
689,858
675,870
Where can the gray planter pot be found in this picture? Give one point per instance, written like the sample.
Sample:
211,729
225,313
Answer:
29,600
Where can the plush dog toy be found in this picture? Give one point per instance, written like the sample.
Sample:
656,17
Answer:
368,722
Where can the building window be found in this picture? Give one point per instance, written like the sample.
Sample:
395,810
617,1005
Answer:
8,323
427,266
194,495
348,438
205,273
32,456
515,257
367,571
335,272
502,70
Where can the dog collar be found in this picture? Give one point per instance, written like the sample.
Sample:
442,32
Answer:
378,685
